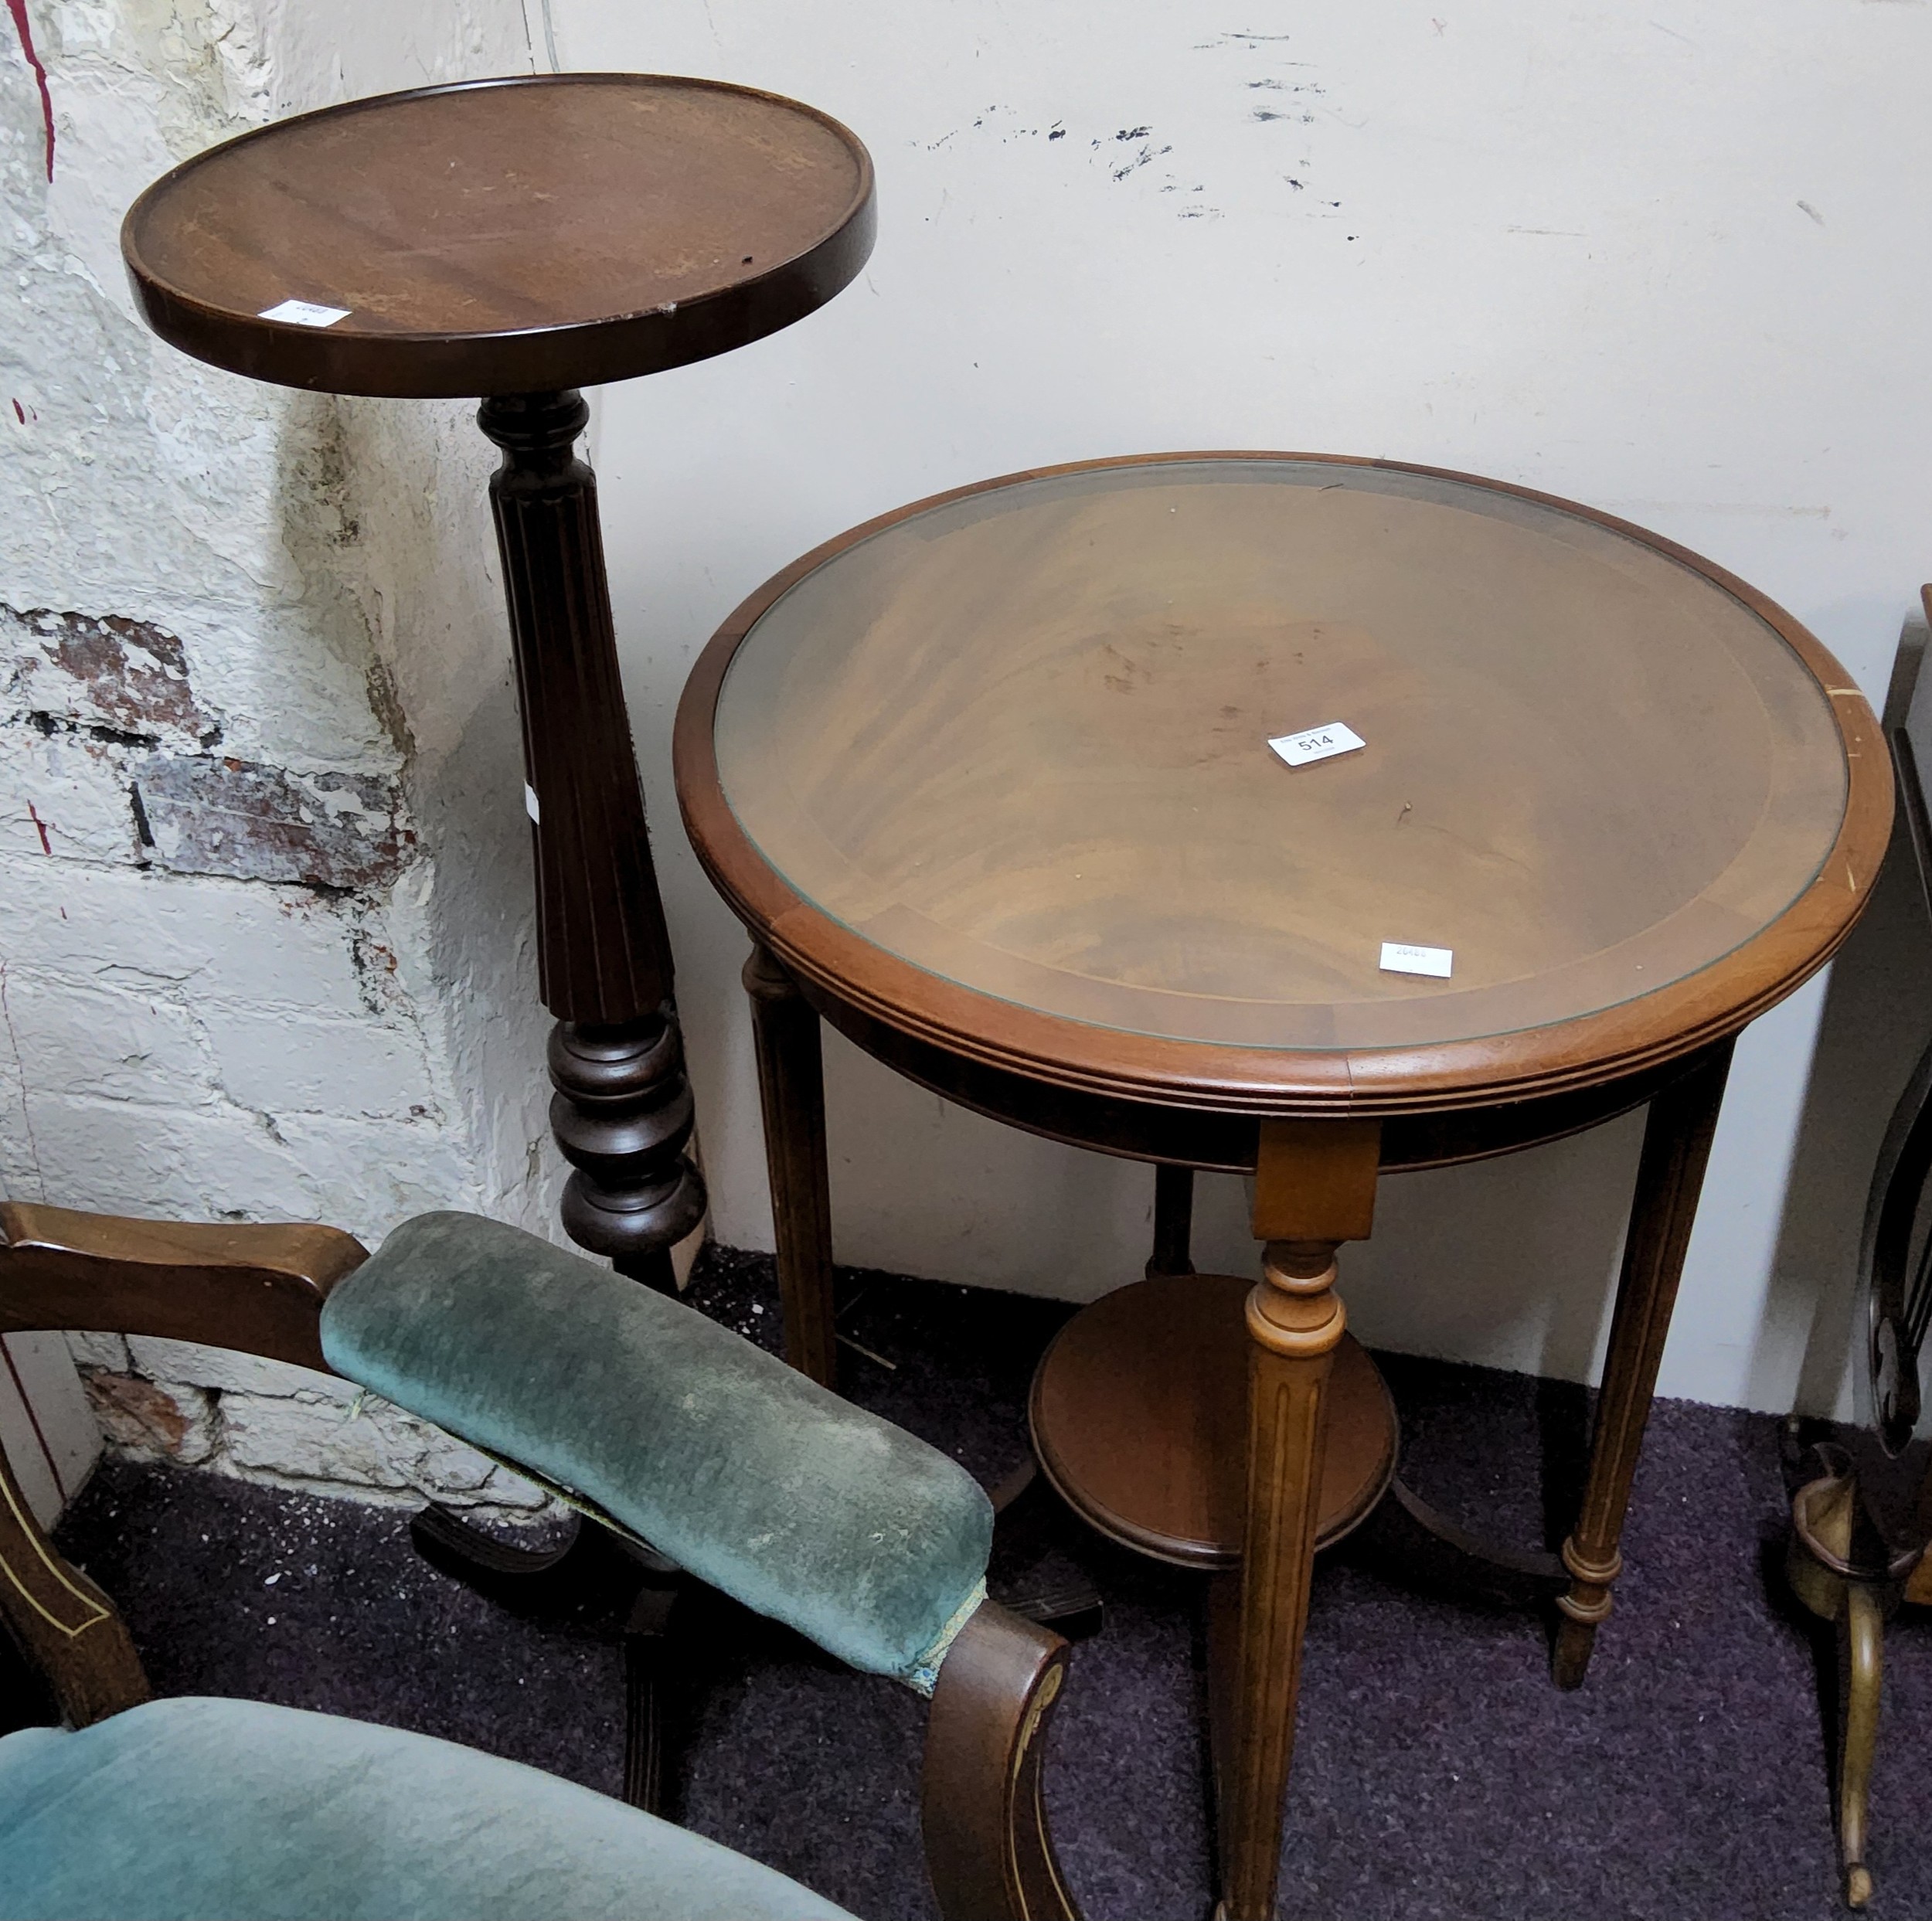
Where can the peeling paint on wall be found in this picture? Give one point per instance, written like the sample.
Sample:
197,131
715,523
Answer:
267,949
127,676
343,832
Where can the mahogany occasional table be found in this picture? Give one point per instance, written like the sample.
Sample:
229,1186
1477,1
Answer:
990,782
519,239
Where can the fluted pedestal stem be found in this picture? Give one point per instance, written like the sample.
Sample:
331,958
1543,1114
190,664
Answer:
622,1109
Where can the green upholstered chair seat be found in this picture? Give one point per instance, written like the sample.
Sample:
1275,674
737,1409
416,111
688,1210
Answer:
737,1467
206,1809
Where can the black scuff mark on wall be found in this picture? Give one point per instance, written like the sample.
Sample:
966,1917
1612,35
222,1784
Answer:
144,832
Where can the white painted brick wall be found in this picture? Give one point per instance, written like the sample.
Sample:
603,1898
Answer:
268,937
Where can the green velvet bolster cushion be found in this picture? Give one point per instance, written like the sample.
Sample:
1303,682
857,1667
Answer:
233,1810
737,1467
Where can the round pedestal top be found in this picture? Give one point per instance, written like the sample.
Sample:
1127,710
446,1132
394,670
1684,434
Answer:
503,237
1283,783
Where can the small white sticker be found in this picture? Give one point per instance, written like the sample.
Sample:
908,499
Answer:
1399,958
529,803
1317,743
303,313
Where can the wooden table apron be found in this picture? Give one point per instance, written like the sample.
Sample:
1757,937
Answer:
1316,1130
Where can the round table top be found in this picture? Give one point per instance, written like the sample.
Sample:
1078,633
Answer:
1022,770
503,237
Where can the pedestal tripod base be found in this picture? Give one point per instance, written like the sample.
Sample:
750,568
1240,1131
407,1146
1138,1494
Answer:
590,1581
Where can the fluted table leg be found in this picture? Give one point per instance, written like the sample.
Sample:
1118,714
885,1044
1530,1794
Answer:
1677,1144
1314,1187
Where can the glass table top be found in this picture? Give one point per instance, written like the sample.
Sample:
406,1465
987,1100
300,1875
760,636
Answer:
1021,740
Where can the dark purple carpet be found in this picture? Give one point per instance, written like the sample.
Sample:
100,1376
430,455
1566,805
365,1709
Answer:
1438,1774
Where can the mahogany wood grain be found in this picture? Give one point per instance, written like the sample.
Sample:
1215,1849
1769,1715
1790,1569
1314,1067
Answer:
1208,1137
1713,983
513,235
1138,1413
1173,1221
1316,1180
987,1846
517,238
1670,1173
603,954
621,1109
1295,1323
988,778
67,1628
254,1287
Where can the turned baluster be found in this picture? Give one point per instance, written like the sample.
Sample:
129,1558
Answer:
622,1111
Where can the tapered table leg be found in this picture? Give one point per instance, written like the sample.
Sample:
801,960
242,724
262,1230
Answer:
1173,1222
1677,1144
622,1110
791,1090
1314,1187
1295,1321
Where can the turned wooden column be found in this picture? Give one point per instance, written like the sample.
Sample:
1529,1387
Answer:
622,1111
450,242
1314,1187
1670,1175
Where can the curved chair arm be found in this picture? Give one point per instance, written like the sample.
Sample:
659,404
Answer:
257,1289
987,1847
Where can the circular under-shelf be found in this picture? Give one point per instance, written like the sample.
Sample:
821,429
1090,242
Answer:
1139,1412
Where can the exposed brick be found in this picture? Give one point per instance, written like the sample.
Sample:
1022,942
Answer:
108,671
144,1417
207,815
103,1351
229,1371
185,1164
294,1429
253,945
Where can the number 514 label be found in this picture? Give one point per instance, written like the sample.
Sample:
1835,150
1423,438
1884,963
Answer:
1317,743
